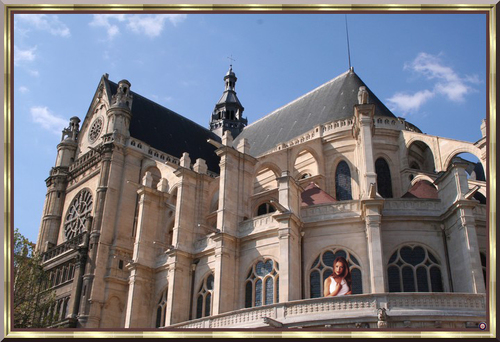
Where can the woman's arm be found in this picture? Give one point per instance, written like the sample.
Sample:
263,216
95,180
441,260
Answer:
326,287
326,290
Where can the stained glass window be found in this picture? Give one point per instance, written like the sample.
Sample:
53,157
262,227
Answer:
161,309
411,267
384,183
77,214
322,268
204,297
262,280
343,182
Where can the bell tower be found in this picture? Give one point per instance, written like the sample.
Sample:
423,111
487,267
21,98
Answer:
228,112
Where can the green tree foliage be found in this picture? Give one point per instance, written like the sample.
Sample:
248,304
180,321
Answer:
31,299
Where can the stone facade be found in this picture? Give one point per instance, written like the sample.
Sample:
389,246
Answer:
141,237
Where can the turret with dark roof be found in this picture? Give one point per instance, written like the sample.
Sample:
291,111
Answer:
228,112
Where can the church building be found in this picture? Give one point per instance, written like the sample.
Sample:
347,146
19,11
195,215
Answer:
152,221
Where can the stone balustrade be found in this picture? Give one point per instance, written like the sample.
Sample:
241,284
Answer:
321,212
159,155
428,310
63,247
256,225
412,207
325,129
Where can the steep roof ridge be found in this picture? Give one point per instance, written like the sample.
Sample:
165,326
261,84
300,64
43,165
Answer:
299,98
159,105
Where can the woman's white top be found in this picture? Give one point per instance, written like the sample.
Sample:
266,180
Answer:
343,290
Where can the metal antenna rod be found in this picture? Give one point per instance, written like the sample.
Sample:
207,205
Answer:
232,60
348,48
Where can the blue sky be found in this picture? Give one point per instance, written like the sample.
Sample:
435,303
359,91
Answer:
428,68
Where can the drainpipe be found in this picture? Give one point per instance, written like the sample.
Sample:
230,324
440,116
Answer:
193,269
447,257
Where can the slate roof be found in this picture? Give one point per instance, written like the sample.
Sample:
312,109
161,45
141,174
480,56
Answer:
229,96
313,195
170,132
331,101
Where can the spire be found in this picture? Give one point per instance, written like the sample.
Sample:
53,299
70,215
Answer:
228,112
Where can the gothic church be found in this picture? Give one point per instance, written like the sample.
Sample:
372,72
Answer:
152,221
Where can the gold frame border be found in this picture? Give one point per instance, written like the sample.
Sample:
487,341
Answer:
248,8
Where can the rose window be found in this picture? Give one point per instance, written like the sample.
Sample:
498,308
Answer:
95,130
77,214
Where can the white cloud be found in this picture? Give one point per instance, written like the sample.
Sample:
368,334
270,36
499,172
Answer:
103,20
149,25
27,55
23,89
45,22
34,73
48,121
409,103
447,81
444,81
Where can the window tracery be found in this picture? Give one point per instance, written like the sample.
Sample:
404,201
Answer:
161,309
322,268
204,297
414,269
77,214
262,284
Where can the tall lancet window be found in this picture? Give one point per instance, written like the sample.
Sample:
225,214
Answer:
343,182
77,214
161,309
204,297
262,284
384,183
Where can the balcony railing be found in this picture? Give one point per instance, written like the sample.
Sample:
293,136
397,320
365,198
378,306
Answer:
63,247
436,309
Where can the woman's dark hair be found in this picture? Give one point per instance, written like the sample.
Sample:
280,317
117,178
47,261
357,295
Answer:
347,272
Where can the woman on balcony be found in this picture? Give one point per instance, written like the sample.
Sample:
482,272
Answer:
339,283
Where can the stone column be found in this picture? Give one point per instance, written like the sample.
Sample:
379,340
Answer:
290,281
460,228
179,287
139,310
372,213
363,129
141,284
225,283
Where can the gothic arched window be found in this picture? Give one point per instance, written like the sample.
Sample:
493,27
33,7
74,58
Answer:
265,208
384,183
204,297
77,214
262,284
322,268
343,182
414,269
161,309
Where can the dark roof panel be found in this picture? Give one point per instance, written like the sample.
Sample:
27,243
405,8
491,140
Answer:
170,132
332,101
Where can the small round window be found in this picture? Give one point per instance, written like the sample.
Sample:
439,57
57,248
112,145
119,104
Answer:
95,130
